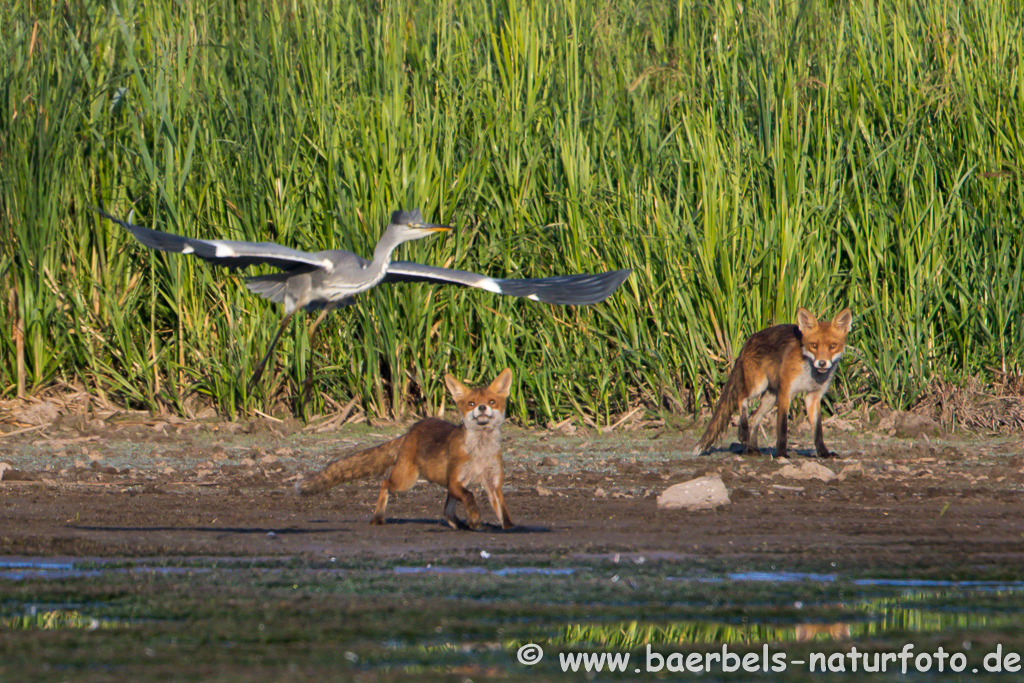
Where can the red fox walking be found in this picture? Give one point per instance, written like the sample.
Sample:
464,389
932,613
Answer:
782,360
454,457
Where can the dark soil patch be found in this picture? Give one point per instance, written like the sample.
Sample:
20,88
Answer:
925,506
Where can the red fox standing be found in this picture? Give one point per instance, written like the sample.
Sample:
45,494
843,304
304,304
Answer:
782,360
454,457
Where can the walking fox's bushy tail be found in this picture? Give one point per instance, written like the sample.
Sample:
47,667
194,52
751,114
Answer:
366,463
732,392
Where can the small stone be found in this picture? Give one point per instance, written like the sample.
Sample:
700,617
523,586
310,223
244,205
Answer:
542,491
807,470
703,493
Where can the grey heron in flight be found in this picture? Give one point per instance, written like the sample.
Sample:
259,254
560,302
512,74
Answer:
329,279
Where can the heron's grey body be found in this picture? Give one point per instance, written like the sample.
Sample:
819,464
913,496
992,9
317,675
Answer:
329,279
320,287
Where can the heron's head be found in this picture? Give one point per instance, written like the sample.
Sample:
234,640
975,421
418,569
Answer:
409,225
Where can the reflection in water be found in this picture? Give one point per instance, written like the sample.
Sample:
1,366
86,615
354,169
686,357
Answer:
634,634
911,612
808,632
55,620
881,616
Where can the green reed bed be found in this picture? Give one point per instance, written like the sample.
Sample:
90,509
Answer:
742,159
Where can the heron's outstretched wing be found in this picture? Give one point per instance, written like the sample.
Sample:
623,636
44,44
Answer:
231,254
566,290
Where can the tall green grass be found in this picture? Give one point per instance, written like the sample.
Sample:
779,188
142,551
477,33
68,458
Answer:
742,159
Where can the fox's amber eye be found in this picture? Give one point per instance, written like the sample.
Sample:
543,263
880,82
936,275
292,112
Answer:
491,401
471,403
831,347
814,347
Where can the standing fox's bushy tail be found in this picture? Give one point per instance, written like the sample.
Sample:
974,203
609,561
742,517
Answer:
732,393
366,463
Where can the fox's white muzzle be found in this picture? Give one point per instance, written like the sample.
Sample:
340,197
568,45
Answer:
482,414
822,364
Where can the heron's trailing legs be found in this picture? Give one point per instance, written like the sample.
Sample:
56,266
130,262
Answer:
307,384
258,372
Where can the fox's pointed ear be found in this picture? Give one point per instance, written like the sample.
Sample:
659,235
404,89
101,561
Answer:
805,320
502,383
843,321
456,388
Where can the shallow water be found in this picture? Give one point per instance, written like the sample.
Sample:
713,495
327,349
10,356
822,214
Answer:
413,620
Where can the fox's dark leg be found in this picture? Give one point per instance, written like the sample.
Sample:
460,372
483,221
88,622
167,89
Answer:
748,426
813,403
457,491
450,502
744,431
767,403
382,503
401,478
782,426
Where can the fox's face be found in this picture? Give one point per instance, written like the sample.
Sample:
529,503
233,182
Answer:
482,408
823,342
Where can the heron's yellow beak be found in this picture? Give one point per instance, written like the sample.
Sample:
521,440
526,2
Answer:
430,227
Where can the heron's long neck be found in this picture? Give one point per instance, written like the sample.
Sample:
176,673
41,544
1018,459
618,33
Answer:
382,253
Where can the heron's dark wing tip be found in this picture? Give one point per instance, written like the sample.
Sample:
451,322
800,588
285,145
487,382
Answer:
567,290
620,276
161,241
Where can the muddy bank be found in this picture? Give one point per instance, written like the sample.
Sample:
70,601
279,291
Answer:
929,505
